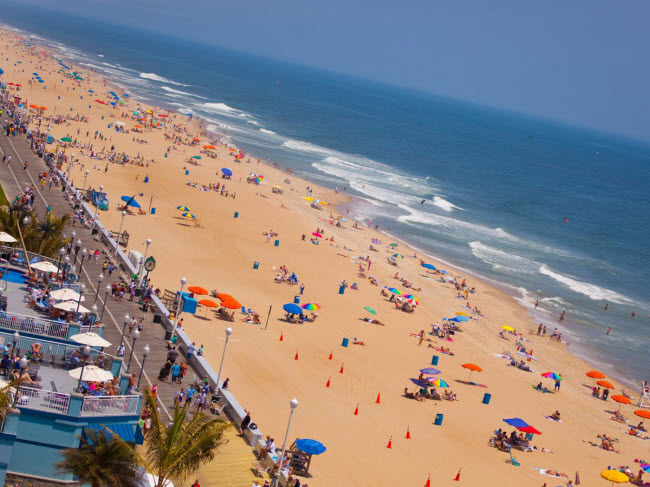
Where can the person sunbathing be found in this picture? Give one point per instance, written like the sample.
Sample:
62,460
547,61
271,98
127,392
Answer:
408,394
640,426
358,342
434,394
450,396
606,445
377,322
418,397
383,293
555,416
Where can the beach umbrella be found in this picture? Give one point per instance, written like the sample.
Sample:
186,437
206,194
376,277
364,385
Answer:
430,371
508,328
91,373
528,356
225,297
231,304
530,429
393,245
410,296
138,126
130,201
395,291
208,303
65,139
183,208
516,422
292,308
440,383
460,313
472,368
66,294
71,306
316,234
195,139
258,179
370,310
113,103
198,290
197,157
232,150
226,171
420,383
323,203
444,272
6,238
614,476
645,467
189,215
90,338
33,106
398,256
45,267
551,375
459,319
621,400
642,413
594,374
311,306
205,146
101,101
603,383
310,447
91,91
307,198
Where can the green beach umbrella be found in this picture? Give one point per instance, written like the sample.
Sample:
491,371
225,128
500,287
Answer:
197,157
65,139
370,310
393,245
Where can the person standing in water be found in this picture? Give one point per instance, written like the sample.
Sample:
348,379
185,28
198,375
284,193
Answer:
609,330
536,304
606,306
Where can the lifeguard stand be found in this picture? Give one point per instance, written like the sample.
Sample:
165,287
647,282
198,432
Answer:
644,397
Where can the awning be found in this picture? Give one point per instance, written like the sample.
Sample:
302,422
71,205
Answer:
123,430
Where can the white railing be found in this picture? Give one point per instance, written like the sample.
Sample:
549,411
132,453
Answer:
29,398
36,326
110,405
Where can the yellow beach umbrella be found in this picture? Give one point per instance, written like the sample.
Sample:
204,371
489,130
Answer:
460,313
508,328
183,208
307,198
277,186
188,215
614,476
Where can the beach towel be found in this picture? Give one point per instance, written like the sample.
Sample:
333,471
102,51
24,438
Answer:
556,420
545,471
545,390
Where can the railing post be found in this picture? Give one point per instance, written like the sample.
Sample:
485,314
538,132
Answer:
73,329
76,403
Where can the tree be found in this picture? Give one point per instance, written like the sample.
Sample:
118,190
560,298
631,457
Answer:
41,236
100,461
175,451
49,231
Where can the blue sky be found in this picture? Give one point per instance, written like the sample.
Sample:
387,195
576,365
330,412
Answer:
580,62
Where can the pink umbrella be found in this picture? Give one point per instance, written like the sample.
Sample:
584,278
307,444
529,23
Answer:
316,234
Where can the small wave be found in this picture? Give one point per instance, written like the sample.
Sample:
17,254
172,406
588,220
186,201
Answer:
155,77
265,131
501,260
179,92
444,204
100,55
590,290
253,122
220,108
556,301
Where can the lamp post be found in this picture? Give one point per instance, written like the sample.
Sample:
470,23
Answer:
100,278
134,336
66,266
84,253
77,248
223,356
85,178
107,291
145,352
127,318
146,251
23,367
61,254
178,306
86,354
117,244
14,338
294,404
101,188
82,288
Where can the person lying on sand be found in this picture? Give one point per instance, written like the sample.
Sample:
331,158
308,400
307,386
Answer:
358,342
555,416
374,321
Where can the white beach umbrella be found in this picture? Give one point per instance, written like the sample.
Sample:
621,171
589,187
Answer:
91,373
71,306
45,266
5,237
66,294
119,124
90,338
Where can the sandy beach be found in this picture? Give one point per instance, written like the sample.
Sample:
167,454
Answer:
220,252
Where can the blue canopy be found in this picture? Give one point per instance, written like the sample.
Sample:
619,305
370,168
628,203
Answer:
130,201
419,383
516,422
112,93
429,266
226,171
2,71
123,430
292,308
35,74
91,91
126,95
311,447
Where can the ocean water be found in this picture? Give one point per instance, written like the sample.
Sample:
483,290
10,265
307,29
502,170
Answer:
497,186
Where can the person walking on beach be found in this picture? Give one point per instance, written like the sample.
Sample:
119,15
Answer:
557,385
302,288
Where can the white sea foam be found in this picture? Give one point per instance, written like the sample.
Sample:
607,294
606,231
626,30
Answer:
444,204
501,260
179,92
590,290
100,55
155,77
265,131
300,146
220,108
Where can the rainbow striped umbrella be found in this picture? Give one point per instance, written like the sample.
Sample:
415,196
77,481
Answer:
551,375
439,383
410,296
311,306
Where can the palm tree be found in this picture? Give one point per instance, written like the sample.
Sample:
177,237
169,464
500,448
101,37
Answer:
50,233
41,236
101,462
176,451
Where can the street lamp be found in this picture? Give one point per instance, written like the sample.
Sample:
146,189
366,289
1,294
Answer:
135,336
145,352
14,338
84,253
100,278
101,188
127,318
85,177
107,291
23,368
178,307
119,233
77,248
146,251
58,269
86,354
66,266
294,404
223,355
93,310
82,288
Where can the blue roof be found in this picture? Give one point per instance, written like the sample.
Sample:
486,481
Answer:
123,430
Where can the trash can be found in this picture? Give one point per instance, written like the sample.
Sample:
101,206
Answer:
236,214
187,172
296,299
157,318
345,342
439,418
341,289
434,360
256,265
95,231
277,243
486,398
168,335
153,211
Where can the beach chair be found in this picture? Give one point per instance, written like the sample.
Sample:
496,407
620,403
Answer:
217,406
513,460
259,469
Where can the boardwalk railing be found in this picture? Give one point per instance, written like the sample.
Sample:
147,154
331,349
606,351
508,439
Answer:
36,326
110,405
29,398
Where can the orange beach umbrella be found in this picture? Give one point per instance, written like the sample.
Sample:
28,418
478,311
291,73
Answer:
604,383
198,290
472,368
231,304
594,374
209,147
208,303
621,400
642,413
195,139
225,297
33,106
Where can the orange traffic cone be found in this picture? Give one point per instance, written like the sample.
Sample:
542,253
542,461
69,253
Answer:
330,354
457,478
328,382
428,484
378,401
281,336
341,371
356,410
296,357
408,433
390,443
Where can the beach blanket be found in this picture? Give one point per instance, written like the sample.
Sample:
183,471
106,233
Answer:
438,349
500,355
542,450
556,420
478,385
545,390
550,473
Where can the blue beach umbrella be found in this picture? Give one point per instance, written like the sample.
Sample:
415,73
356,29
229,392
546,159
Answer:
2,71
113,103
126,95
430,371
419,383
394,290
130,201
516,422
292,308
91,91
35,74
226,171
444,272
429,266
311,447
